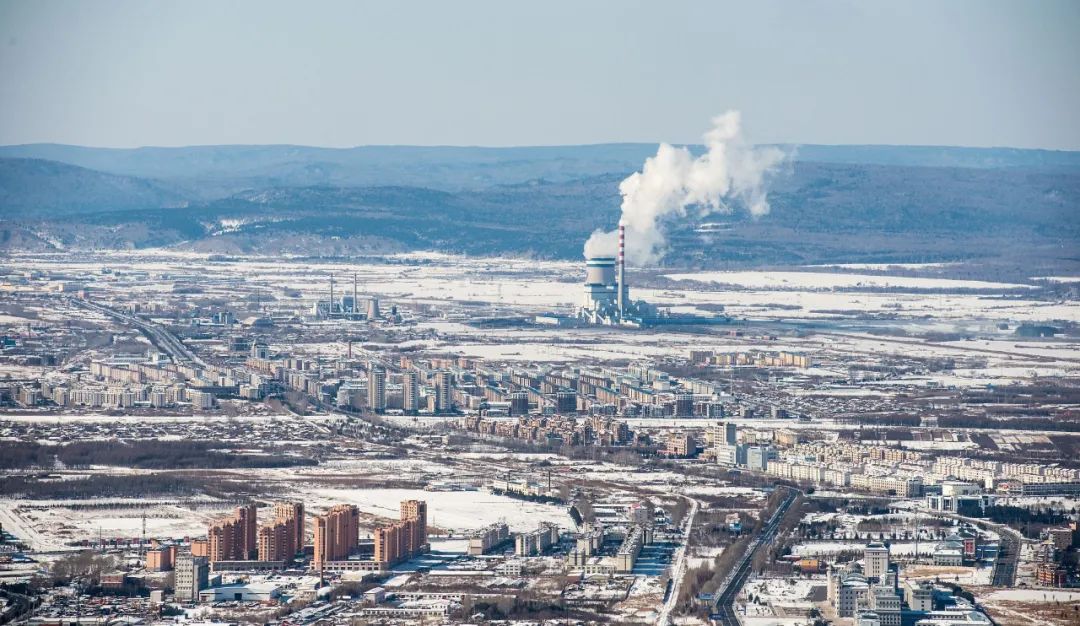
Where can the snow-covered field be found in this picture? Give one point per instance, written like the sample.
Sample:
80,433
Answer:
980,576
830,280
833,548
1058,279
49,525
783,591
777,601
886,266
1033,595
458,511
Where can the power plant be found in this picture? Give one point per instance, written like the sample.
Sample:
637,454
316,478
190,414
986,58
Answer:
606,298
347,307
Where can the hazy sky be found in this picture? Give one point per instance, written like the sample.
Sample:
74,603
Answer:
977,73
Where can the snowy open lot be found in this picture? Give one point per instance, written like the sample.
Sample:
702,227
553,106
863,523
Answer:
1034,595
457,511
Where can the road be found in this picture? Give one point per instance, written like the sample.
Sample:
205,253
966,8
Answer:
678,568
1008,555
680,558
724,606
163,339
1008,549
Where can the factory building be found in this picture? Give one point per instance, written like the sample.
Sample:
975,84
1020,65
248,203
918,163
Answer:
345,306
606,299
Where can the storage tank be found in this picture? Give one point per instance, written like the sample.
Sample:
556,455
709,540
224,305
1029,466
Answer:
600,270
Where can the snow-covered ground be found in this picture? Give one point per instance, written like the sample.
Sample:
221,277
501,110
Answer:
886,266
50,525
831,280
783,591
1058,279
832,548
458,511
979,576
777,601
1033,595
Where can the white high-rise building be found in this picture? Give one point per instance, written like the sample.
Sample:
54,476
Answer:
876,559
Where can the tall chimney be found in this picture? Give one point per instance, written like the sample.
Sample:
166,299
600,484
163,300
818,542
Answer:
330,309
620,278
355,302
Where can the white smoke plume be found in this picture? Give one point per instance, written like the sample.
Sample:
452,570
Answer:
730,172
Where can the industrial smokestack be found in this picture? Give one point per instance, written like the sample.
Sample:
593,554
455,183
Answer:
330,310
621,277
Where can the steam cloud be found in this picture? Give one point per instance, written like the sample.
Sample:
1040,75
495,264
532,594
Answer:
673,181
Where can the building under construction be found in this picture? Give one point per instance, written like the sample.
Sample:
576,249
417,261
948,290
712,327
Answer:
607,295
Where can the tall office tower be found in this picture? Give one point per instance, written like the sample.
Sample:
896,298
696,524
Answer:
376,387
337,533
757,457
294,513
411,392
731,435
443,381
414,511
876,559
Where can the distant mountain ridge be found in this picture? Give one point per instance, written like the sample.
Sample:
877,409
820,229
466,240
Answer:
39,187
208,171
541,202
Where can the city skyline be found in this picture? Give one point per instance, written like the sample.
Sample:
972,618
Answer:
778,377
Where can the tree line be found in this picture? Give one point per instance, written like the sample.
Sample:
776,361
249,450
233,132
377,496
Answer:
144,454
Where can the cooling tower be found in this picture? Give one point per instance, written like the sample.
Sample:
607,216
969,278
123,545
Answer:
600,271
